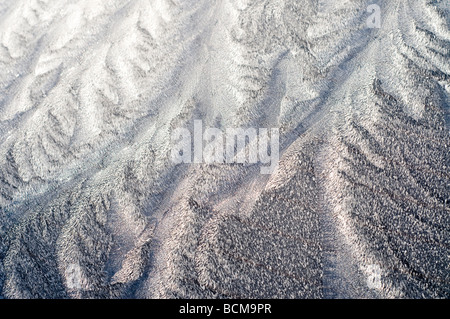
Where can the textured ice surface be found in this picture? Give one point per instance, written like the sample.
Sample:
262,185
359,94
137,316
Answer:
92,206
